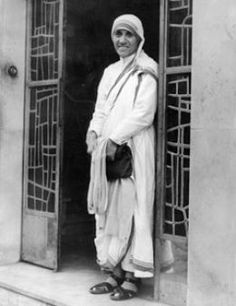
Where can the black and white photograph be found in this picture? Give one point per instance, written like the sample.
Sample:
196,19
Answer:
117,152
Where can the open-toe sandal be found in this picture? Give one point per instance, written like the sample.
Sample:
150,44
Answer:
101,288
106,287
123,293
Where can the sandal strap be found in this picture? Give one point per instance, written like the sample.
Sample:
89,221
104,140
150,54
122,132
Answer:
111,280
118,279
115,280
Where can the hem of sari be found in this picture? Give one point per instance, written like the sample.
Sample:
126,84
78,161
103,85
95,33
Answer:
142,268
142,265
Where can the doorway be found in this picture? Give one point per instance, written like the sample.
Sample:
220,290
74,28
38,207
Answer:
68,47
61,81
88,50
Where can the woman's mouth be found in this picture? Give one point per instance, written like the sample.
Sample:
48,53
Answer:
122,47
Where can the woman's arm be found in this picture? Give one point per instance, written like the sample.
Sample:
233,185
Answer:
142,114
99,114
97,121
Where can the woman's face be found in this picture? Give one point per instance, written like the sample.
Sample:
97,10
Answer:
125,42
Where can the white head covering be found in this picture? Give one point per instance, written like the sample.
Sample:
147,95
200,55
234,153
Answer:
131,23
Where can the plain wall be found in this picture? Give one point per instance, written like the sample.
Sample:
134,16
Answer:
212,236
12,51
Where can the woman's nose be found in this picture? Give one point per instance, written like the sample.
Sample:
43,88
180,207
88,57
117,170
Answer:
122,39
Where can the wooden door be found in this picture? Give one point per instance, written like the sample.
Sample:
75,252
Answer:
42,132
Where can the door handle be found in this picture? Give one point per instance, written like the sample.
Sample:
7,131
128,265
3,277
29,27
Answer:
12,71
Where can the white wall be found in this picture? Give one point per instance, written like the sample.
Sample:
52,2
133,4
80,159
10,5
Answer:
12,51
212,239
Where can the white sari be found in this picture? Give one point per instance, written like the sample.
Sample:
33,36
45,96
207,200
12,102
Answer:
124,113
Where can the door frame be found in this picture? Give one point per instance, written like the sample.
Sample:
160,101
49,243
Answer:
160,153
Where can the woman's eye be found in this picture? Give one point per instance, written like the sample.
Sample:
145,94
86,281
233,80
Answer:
129,34
118,33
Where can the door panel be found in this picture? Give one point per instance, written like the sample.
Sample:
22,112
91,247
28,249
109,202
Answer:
42,133
173,149
173,156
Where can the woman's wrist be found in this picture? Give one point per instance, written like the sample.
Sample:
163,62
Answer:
111,149
91,141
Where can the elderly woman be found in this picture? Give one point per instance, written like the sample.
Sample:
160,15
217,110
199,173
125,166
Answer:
124,114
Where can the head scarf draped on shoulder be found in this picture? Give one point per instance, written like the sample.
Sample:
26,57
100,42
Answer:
133,24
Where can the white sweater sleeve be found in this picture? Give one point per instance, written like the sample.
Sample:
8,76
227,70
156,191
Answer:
142,114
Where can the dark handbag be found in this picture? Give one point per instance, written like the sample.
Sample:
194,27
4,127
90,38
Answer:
121,166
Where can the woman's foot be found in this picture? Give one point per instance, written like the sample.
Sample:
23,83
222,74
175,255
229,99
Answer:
108,286
126,291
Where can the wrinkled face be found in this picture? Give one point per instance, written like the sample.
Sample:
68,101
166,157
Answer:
125,42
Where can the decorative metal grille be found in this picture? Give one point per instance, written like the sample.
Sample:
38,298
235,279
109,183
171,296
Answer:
179,33
44,40
43,106
177,150
42,149
178,107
